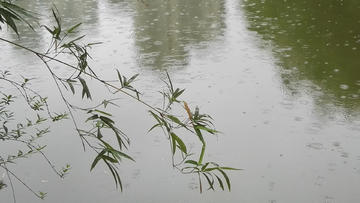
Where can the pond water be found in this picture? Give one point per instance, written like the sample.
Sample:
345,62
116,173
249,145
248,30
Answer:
280,78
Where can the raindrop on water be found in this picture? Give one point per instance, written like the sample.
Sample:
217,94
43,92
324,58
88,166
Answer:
326,199
336,144
315,145
158,43
345,154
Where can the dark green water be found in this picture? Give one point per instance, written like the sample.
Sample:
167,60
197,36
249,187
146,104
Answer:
316,41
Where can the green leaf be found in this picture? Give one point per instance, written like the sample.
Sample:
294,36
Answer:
112,160
181,145
226,178
19,12
156,125
120,79
69,82
115,175
210,181
72,41
48,29
191,162
99,135
199,134
157,118
9,19
93,117
57,30
132,79
107,120
173,141
119,154
211,169
103,112
97,158
95,43
174,119
220,182
204,166
230,168
85,88
207,129
73,28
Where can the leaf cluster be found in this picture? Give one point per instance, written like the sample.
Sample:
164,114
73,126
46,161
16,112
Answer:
9,13
100,124
196,123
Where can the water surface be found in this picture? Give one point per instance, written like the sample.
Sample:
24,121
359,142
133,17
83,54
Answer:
279,78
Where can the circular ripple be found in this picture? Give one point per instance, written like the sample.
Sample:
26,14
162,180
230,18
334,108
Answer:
317,146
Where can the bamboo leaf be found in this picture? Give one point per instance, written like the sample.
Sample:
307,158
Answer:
9,19
199,134
210,181
156,125
207,129
107,120
174,119
72,41
119,154
132,78
73,28
97,158
173,141
115,175
93,117
156,117
99,134
85,88
204,166
220,182
69,82
48,29
230,168
226,178
191,162
112,160
103,112
120,79
181,145
211,169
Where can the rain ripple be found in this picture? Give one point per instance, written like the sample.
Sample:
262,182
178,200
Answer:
316,146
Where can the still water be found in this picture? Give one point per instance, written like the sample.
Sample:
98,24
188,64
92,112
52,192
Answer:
280,78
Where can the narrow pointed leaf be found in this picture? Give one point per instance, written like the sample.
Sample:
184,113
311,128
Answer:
181,145
73,28
191,162
93,117
97,158
120,79
103,112
226,178
210,181
220,182
85,88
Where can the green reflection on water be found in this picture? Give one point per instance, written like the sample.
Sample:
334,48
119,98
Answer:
166,30
316,44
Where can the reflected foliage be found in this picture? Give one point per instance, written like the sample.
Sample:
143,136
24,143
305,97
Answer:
165,31
316,45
